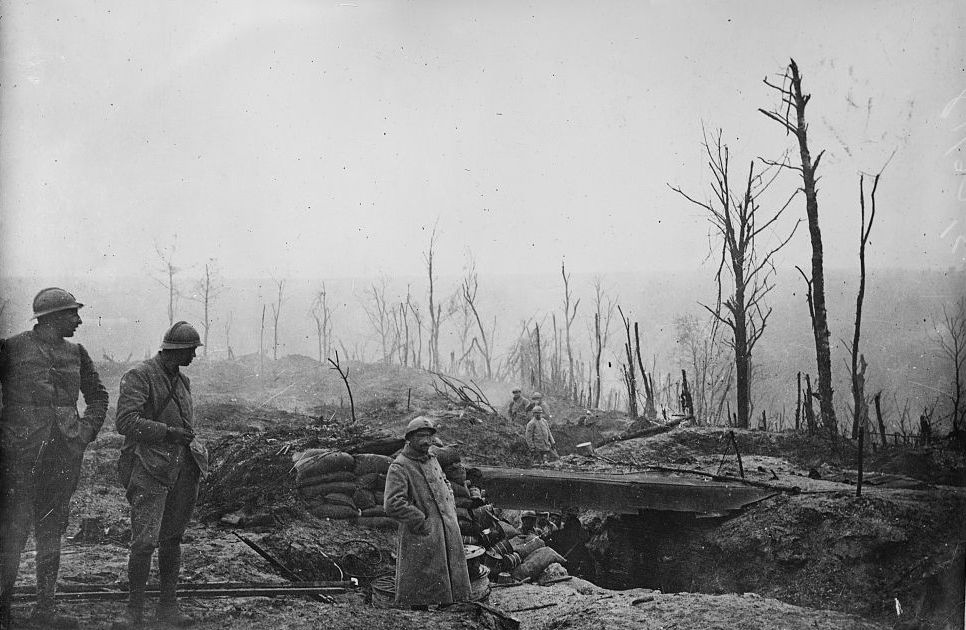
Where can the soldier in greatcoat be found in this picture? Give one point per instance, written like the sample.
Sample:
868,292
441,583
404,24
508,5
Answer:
431,564
42,442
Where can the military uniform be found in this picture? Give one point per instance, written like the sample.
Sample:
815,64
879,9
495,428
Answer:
161,477
42,442
518,408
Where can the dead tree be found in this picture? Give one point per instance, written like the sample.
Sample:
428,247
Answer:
468,292
435,310
950,337
380,317
734,216
858,393
418,320
231,353
570,313
206,290
649,410
810,421
261,345
337,366
878,417
628,368
321,313
602,318
168,272
706,355
790,114
276,313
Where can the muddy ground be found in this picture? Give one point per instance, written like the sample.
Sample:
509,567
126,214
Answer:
812,556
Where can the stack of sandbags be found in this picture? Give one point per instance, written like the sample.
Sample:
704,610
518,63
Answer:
340,485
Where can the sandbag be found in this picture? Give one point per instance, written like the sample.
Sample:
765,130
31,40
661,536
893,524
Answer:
381,446
553,572
445,455
460,491
341,475
364,499
377,522
368,481
328,510
366,463
337,498
508,530
536,563
525,545
322,489
319,462
374,511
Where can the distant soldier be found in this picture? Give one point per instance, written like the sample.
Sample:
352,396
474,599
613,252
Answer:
519,405
161,464
925,430
42,442
430,561
539,438
536,400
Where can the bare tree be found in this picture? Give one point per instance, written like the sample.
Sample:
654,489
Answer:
435,310
570,313
380,317
790,114
707,357
950,336
629,369
418,346
321,313
231,353
168,272
206,290
468,291
603,312
276,313
859,406
734,216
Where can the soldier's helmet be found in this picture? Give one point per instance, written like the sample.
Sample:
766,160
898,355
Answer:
537,409
536,395
53,299
180,336
422,422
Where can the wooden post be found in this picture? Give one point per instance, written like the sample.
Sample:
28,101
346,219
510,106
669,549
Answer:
798,404
858,485
878,416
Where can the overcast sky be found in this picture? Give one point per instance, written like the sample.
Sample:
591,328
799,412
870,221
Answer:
321,138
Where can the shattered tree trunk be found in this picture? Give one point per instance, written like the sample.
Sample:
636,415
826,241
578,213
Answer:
823,354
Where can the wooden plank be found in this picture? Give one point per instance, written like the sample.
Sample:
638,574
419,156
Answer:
557,491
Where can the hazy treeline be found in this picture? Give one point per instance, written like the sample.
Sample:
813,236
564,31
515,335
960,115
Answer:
126,317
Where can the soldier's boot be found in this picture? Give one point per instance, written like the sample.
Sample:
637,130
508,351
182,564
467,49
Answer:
46,614
169,566
138,568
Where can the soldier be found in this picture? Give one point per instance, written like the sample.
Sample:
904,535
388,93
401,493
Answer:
536,400
160,465
539,438
431,565
517,410
42,442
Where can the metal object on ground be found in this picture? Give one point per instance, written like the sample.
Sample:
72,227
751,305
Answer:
286,572
384,590
556,490
196,590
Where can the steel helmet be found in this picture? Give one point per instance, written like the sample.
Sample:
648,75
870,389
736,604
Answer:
537,409
52,299
422,422
181,335
536,395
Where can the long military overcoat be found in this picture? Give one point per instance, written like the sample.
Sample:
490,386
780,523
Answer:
430,569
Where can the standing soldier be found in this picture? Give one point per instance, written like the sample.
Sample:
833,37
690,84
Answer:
518,407
539,438
42,442
160,465
431,564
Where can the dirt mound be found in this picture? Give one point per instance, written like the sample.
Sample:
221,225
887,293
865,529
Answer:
485,439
